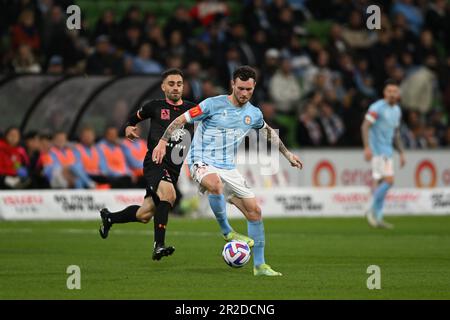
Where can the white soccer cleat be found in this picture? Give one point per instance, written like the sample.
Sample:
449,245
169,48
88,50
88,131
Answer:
371,219
385,225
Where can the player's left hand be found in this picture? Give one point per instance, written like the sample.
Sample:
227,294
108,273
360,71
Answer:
295,161
402,160
159,152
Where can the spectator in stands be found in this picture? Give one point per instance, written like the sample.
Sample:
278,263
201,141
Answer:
144,63
332,124
103,61
132,40
447,137
255,17
193,71
232,61
55,65
206,12
356,34
270,117
309,132
33,149
155,37
238,39
135,152
412,14
284,88
62,169
55,39
132,17
13,161
25,32
180,21
116,168
24,61
418,89
107,26
88,156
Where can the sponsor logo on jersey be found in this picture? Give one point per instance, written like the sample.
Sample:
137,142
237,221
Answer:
165,114
195,112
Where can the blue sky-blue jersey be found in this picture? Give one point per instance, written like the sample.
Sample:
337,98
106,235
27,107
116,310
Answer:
385,119
221,130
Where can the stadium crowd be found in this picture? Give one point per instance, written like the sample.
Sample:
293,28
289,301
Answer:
319,69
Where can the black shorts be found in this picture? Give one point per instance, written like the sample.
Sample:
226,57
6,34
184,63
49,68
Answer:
154,174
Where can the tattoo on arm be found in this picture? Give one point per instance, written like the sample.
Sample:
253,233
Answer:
275,140
398,141
176,124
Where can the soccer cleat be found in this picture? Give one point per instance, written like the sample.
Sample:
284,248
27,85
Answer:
234,236
162,251
106,223
265,270
384,225
371,219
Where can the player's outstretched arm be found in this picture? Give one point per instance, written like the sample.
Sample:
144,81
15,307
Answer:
160,150
365,138
275,140
398,144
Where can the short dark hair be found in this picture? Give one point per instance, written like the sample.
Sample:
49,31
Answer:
390,82
244,73
172,71
31,135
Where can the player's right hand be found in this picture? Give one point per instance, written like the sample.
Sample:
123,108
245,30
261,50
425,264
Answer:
159,152
367,154
130,133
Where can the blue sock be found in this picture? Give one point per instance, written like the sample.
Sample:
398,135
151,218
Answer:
219,207
256,232
378,199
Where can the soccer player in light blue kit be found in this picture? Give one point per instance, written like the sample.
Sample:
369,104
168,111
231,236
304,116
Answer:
380,132
225,121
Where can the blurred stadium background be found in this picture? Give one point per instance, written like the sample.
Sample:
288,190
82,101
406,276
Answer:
319,69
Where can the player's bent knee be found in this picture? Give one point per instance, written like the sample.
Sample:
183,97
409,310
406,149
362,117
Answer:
144,217
254,214
216,188
389,180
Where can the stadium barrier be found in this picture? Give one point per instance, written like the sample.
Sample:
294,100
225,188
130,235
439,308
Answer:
282,202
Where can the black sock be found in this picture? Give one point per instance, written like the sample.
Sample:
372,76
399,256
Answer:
160,221
126,215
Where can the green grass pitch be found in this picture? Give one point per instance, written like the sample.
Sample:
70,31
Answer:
320,258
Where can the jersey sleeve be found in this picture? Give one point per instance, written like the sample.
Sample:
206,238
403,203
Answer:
373,112
145,111
199,112
259,121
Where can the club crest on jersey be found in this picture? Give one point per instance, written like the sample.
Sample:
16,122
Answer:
247,120
165,114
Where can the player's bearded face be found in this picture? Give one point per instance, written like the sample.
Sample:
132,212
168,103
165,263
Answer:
243,90
173,87
392,94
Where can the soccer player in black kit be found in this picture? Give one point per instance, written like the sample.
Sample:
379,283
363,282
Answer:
160,178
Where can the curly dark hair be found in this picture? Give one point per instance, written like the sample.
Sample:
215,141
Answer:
244,73
172,71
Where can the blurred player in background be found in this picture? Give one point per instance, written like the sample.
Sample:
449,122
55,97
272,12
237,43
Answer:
226,120
380,133
160,177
